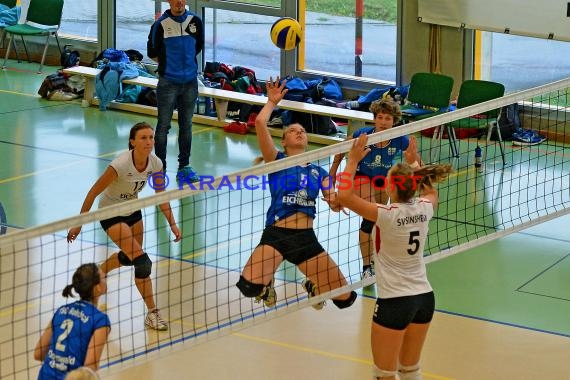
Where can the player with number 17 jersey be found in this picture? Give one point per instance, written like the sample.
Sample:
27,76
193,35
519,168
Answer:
130,181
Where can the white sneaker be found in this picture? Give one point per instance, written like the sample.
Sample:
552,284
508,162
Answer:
310,289
155,321
367,273
269,296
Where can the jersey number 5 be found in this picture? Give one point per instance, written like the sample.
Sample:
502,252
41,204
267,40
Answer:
414,242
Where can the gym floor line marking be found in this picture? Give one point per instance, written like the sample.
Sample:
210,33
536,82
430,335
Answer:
11,179
45,149
21,93
321,353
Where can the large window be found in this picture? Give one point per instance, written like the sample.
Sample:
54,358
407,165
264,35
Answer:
133,21
79,19
524,62
338,41
241,39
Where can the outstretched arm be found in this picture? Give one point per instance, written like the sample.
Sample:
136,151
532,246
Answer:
335,165
348,198
105,180
275,93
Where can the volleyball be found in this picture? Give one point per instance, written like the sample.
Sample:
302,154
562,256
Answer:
286,33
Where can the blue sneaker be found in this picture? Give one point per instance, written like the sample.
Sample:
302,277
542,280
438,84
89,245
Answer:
187,173
527,137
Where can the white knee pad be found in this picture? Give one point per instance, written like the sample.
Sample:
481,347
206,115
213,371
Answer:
380,373
410,372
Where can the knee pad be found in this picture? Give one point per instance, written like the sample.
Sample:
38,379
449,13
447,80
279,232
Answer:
381,373
143,266
249,289
124,259
343,304
410,372
366,226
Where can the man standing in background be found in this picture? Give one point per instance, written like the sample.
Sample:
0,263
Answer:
174,41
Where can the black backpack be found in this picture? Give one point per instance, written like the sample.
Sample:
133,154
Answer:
69,58
508,121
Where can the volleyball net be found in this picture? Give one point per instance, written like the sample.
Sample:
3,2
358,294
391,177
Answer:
222,218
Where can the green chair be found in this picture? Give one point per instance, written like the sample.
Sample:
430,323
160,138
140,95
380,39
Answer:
474,92
428,96
46,18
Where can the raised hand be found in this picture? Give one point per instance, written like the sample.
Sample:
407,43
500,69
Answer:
359,149
275,90
73,233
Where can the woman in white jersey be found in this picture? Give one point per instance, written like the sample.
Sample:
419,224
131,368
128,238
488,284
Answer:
288,233
406,302
124,178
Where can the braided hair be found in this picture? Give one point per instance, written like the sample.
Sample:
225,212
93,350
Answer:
85,278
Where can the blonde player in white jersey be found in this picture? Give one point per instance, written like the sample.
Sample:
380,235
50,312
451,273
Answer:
406,302
124,178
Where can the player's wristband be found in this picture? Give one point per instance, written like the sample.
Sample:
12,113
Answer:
415,165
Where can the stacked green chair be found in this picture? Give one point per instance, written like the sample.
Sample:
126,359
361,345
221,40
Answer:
43,19
474,92
428,96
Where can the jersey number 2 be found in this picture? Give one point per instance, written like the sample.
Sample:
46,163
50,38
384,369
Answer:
414,242
66,325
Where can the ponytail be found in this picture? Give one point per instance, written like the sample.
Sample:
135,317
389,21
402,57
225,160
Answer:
85,278
67,291
432,174
428,176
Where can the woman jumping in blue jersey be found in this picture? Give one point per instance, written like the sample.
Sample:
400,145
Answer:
288,233
78,331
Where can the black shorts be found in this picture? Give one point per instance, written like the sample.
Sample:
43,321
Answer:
379,181
130,220
397,313
295,245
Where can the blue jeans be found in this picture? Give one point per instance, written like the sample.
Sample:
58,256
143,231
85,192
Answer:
171,95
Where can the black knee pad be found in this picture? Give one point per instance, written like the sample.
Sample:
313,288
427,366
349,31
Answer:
143,266
249,289
124,259
366,226
343,304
